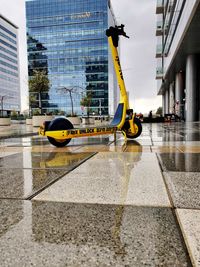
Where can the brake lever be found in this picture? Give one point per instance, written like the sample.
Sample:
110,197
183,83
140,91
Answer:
121,28
126,36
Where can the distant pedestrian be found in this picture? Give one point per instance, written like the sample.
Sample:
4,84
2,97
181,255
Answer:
177,110
150,115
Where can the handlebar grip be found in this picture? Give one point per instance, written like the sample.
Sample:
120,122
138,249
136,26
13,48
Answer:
126,36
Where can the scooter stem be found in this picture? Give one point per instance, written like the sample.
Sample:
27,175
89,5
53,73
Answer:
119,74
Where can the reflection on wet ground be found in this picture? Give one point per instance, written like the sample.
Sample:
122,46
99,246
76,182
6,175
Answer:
17,130
63,234
186,162
33,160
101,202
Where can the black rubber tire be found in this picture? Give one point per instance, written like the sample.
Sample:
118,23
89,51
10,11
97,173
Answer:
59,124
126,128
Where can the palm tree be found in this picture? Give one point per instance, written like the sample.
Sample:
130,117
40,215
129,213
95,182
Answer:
71,90
65,90
39,83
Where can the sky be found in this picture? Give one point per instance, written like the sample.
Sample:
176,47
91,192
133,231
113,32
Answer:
137,53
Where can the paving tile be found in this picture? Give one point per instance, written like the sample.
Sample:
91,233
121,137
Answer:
189,149
184,162
141,142
63,234
165,149
138,149
22,183
114,148
114,178
93,140
16,130
49,148
92,148
6,143
193,143
184,188
105,148
124,147
168,143
192,136
169,137
53,160
14,149
189,221
4,154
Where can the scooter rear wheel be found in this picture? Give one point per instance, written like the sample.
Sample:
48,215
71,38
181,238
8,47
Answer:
56,125
138,128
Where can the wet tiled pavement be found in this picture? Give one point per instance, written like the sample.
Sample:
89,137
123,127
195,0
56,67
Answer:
97,202
17,130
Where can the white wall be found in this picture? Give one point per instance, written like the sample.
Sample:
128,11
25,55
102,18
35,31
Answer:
14,10
186,17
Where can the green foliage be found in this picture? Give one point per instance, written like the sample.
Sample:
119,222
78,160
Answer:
14,114
39,82
62,113
32,99
159,111
71,115
36,112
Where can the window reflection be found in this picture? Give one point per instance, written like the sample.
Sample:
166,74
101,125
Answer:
73,49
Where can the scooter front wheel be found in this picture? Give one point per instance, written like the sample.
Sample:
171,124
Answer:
56,125
137,126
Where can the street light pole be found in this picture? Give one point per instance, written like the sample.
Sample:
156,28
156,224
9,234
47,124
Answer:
2,99
100,109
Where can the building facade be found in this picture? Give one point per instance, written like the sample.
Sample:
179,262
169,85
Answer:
67,40
178,52
9,67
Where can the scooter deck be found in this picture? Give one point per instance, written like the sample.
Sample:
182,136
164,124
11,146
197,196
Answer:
86,131
78,132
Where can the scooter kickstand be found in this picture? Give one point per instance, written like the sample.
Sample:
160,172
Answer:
125,137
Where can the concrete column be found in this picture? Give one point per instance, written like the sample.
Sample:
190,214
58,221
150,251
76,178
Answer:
167,101
171,98
191,88
179,92
163,105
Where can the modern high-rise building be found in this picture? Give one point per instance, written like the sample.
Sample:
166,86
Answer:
9,67
67,40
178,53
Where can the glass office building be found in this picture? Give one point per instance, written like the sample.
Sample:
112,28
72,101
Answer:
66,39
9,69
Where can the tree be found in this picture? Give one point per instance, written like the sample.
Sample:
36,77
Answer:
32,103
39,83
159,111
86,101
71,90
65,90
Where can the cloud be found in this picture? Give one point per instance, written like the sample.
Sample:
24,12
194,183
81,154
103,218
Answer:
144,105
138,53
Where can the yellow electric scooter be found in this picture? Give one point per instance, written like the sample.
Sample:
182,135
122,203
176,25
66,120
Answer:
60,130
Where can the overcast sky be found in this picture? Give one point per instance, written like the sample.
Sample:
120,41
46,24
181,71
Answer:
137,53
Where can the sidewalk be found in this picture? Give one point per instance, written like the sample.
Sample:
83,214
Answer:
99,203
17,130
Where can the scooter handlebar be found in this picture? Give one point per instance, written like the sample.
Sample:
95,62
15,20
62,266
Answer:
121,30
115,32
